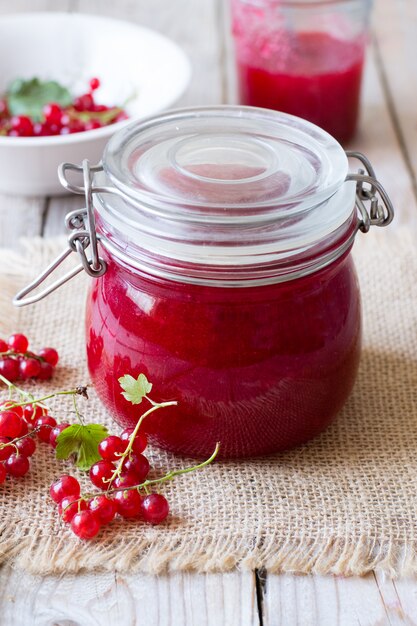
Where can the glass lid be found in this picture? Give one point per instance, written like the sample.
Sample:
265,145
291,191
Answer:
222,163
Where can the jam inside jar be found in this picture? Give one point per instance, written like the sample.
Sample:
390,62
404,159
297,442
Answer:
304,58
229,279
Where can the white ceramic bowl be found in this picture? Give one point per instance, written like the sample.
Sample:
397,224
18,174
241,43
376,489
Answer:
72,48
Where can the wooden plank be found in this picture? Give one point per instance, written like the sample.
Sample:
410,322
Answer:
192,24
395,32
57,208
336,601
25,6
378,140
20,217
108,599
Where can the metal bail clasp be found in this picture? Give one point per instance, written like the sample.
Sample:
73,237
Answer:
82,223
370,190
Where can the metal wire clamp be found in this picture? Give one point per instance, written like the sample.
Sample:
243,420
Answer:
82,223
84,235
368,188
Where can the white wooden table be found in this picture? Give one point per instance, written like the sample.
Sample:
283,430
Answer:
388,136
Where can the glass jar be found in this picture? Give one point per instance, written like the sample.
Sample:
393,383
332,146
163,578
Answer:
303,57
225,276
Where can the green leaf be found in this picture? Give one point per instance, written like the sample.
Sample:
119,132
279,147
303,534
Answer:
83,441
28,97
135,389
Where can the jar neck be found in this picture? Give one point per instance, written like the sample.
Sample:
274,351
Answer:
241,273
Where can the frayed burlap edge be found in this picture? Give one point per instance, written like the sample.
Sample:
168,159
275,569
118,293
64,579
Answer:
347,556
329,555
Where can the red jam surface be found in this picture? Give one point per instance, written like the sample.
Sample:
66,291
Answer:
259,369
320,80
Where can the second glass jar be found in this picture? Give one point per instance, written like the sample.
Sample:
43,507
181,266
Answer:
303,57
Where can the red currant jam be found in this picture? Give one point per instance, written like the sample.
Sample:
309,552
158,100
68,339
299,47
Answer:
229,279
319,82
259,369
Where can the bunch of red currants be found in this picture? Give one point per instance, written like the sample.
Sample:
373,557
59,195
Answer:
84,113
18,363
120,475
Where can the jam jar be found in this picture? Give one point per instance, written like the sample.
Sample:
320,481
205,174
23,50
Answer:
303,57
221,242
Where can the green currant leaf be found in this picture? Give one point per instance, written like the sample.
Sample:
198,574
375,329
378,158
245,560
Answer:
28,97
135,389
81,440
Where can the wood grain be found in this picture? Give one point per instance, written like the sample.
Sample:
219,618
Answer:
395,25
336,601
116,600
193,24
378,140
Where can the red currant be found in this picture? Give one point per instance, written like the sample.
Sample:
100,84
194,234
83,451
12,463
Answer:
92,125
46,371
50,355
84,102
5,450
128,503
94,83
125,480
103,508
31,412
24,428
76,126
8,405
140,442
137,464
18,342
69,506
4,109
3,345
55,432
9,368
29,368
85,525
100,474
21,126
3,473
10,424
17,465
52,113
54,129
40,130
155,508
63,487
111,447
26,446
45,425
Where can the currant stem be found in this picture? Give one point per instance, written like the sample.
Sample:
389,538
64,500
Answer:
12,386
158,481
70,392
12,442
77,413
155,406
27,355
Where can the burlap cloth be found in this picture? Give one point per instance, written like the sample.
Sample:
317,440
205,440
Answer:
343,504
